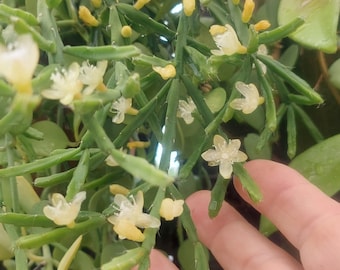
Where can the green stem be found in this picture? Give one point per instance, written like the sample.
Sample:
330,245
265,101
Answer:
201,260
170,125
12,180
138,167
150,233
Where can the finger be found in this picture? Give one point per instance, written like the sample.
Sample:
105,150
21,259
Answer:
233,241
159,261
306,216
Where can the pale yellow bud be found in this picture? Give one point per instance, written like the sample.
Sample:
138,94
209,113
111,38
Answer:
128,230
96,3
262,25
189,7
236,2
86,16
137,144
167,72
171,208
248,10
126,31
118,189
140,4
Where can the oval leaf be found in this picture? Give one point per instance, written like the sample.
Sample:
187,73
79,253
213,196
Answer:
54,138
321,21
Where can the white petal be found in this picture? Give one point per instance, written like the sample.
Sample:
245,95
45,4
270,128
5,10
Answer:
240,157
219,143
147,221
211,155
238,104
226,169
118,118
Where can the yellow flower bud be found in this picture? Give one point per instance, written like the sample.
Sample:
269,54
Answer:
86,16
140,4
171,208
248,10
128,230
96,3
137,144
189,7
236,2
262,25
169,71
126,31
118,189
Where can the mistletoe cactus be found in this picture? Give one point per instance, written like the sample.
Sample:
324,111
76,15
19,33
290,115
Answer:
113,111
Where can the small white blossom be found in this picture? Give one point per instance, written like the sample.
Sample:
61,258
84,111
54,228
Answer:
185,110
171,208
66,85
18,62
226,40
92,76
121,107
62,212
251,99
131,216
224,155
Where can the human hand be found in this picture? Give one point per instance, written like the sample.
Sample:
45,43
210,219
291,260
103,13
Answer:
308,218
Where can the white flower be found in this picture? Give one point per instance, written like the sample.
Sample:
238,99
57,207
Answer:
226,40
121,107
66,85
63,212
185,110
171,208
251,99
224,155
92,76
130,217
18,62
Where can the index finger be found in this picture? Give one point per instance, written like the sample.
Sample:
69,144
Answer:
306,216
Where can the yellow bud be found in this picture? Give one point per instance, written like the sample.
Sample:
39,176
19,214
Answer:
169,71
126,31
137,144
236,2
171,208
262,25
189,7
261,100
118,189
96,3
140,4
86,16
248,10
217,30
126,229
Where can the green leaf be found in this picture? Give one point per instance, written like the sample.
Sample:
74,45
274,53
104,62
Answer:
321,21
215,99
251,142
54,138
320,165
333,73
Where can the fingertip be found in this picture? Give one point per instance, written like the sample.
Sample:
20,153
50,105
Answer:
270,176
160,261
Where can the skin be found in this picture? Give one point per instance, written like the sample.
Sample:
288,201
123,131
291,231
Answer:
306,216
